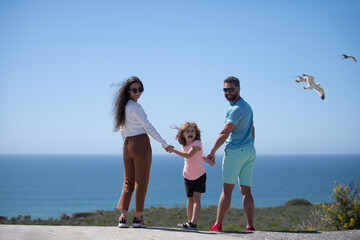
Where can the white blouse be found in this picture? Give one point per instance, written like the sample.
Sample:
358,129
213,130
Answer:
136,123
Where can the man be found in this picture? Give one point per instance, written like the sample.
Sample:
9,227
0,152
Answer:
239,158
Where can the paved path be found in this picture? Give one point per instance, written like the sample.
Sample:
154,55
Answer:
32,232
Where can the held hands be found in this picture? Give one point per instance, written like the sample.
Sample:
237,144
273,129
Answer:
211,157
169,149
209,161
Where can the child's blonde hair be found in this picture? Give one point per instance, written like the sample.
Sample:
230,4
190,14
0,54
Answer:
180,135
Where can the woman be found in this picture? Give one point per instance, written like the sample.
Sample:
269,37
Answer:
134,126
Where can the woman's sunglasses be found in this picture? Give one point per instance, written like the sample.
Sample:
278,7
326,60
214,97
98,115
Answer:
135,90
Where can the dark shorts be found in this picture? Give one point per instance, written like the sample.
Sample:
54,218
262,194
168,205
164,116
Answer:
197,185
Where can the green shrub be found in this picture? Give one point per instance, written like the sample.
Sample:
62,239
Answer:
344,211
297,202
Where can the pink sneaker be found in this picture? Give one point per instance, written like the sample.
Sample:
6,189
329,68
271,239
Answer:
215,227
250,228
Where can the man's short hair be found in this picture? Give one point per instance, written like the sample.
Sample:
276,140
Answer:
232,79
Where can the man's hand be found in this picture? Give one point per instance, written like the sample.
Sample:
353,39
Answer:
209,161
211,156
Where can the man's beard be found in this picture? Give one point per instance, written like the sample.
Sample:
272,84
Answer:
232,97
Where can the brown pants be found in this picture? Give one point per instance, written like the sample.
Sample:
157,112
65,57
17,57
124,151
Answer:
137,157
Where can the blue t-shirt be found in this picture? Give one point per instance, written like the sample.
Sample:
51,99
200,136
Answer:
240,114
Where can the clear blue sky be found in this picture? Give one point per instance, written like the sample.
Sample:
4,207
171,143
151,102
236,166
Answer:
58,58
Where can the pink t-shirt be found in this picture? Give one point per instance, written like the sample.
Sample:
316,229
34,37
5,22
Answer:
194,166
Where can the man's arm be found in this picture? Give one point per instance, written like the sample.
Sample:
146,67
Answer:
223,135
253,132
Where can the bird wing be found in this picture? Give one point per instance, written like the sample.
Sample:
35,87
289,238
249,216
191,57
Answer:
300,79
353,58
309,79
320,91
345,56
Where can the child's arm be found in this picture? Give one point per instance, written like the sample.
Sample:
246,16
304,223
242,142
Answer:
192,151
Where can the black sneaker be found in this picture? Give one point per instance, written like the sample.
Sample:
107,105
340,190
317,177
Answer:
122,223
188,225
139,223
191,226
183,225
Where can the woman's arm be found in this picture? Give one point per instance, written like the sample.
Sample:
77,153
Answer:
122,132
149,128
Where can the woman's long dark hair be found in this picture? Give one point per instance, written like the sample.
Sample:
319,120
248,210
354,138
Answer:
122,97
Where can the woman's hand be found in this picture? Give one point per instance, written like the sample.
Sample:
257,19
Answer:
169,149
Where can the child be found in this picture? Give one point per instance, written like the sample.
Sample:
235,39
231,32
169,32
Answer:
194,171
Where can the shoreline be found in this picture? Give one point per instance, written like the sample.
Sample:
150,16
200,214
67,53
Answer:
43,187
182,206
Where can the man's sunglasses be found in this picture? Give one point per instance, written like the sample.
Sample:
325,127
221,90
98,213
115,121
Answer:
135,90
229,90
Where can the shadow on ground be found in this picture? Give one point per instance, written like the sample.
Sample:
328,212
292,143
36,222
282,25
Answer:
302,232
198,232
226,232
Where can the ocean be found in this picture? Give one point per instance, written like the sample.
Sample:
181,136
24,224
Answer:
45,186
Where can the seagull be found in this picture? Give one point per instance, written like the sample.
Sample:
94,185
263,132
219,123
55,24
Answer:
300,79
348,56
311,84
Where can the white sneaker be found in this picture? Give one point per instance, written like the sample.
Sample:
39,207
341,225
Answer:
123,224
139,223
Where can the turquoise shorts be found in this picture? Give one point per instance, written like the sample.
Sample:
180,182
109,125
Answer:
238,164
